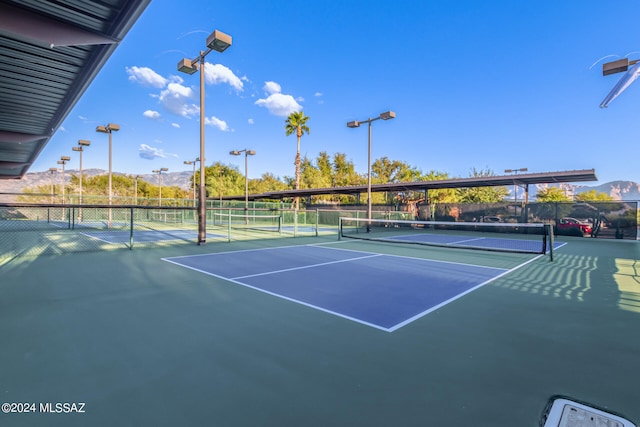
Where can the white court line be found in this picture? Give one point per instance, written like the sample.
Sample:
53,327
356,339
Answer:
306,266
97,238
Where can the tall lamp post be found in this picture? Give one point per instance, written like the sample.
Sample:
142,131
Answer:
356,123
159,172
247,153
51,171
515,186
63,161
110,128
193,162
135,189
81,143
219,42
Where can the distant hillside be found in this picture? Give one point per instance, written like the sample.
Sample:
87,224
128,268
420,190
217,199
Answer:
35,179
618,190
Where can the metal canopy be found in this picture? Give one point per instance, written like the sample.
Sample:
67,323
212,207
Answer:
490,181
50,51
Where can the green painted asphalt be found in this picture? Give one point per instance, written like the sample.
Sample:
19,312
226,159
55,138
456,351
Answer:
140,341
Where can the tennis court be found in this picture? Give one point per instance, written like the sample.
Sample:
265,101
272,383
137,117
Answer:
383,291
316,331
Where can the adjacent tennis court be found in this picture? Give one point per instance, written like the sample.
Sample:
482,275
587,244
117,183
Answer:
379,290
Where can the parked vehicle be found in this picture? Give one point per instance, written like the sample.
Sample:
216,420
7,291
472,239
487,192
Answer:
491,219
573,227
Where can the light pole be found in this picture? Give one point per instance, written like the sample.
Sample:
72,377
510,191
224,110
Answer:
81,143
247,153
515,186
63,161
51,171
135,189
193,162
354,124
110,128
219,42
159,172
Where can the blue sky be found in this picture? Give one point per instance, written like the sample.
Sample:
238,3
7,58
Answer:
497,85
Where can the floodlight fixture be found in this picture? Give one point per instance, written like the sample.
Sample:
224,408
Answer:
618,66
353,124
84,142
187,66
388,115
65,158
516,170
218,41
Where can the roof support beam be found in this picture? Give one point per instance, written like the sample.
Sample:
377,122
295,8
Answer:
23,25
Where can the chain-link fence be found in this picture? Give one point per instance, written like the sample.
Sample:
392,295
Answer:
45,229
612,220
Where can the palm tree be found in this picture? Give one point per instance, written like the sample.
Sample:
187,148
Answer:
296,122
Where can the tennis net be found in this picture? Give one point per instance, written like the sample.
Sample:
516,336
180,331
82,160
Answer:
504,237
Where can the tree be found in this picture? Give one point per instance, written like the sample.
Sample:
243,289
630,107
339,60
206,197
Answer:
297,122
593,196
552,194
482,194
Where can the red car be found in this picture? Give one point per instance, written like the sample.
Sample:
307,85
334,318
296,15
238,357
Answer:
572,226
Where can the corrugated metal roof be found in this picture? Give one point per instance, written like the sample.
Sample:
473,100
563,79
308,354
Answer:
50,51
487,181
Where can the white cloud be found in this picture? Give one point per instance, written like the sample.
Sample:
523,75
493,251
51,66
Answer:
216,122
250,121
150,153
279,104
300,99
175,125
146,76
218,73
318,94
150,114
175,98
147,152
272,87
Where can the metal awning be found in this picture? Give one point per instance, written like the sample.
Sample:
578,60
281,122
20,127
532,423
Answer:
50,51
489,181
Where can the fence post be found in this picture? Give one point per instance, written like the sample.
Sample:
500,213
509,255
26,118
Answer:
131,228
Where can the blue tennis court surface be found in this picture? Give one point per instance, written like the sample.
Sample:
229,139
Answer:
383,291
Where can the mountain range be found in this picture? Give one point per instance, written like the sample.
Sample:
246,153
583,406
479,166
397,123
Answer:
618,190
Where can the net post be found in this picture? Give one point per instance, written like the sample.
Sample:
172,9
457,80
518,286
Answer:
339,228
72,220
229,225
280,224
548,238
317,220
